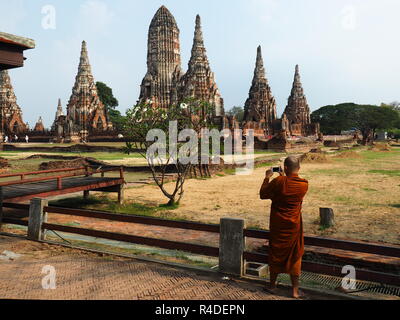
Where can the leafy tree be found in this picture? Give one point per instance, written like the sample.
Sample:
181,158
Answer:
395,105
106,95
366,118
110,102
238,112
334,119
117,119
369,119
143,119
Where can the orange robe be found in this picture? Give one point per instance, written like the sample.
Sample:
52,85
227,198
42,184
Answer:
286,243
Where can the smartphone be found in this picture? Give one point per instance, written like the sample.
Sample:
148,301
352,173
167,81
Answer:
276,169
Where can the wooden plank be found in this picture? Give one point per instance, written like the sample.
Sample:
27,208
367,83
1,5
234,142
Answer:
160,243
8,175
37,187
19,206
54,191
17,222
214,228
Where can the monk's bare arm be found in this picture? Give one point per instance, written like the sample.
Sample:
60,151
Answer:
267,190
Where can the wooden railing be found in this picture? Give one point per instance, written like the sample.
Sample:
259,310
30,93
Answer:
232,239
355,246
81,171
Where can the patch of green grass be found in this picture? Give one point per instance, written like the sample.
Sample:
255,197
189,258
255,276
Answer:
230,171
105,204
266,152
131,208
391,173
377,155
343,199
97,155
396,205
264,164
169,206
107,155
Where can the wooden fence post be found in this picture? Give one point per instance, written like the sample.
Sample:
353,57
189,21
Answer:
231,246
36,217
326,217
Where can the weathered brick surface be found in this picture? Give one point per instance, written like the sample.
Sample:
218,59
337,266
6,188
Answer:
81,275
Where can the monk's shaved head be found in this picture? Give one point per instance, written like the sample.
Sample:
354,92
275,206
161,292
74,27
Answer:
292,164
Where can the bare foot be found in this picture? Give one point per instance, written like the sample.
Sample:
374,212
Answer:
300,295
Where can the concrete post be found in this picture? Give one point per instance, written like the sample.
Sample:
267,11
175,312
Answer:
121,194
231,246
86,194
326,217
36,217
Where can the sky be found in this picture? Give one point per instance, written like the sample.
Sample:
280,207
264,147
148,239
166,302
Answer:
347,50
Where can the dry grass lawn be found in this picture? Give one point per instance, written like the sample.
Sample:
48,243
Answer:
363,188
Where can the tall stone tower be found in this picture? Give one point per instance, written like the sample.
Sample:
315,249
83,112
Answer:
297,110
159,86
59,115
199,82
10,112
59,111
260,105
86,114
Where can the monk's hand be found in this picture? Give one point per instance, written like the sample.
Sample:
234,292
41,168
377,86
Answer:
281,172
269,173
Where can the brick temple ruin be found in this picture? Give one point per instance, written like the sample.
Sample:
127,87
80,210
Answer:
164,84
11,114
86,115
198,82
297,111
260,107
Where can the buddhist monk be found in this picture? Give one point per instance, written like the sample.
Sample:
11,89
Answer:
286,242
